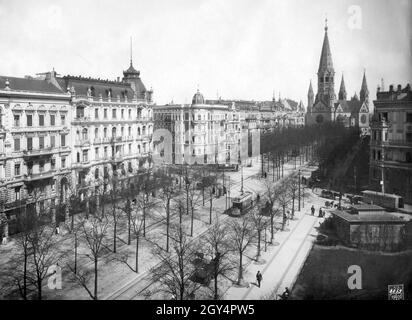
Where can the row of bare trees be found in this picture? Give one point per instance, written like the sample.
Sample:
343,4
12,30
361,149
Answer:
220,252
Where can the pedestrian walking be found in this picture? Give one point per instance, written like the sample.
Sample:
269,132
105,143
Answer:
259,278
320,212
266,175
57,229
312,210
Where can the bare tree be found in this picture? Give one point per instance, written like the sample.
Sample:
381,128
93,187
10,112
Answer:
292,185
136,222
175,270
44,255
241,237
259,222
284,201
272,194
93,234
218,247
167,194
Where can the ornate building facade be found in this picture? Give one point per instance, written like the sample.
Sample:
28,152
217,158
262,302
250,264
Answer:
60,135
34,145
391,142
326,106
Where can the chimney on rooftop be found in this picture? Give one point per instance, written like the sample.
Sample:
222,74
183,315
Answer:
391,88
399,88
408,87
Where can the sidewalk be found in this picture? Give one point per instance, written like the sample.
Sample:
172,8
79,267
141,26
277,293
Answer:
283,262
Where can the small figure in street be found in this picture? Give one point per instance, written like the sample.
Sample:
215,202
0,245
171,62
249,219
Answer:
258,198
57,229
259,278
265,175
312,210
285,294
320,212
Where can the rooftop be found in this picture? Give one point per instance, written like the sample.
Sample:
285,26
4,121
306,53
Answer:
379,217
398,94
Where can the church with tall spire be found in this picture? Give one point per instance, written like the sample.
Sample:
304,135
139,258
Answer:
326,106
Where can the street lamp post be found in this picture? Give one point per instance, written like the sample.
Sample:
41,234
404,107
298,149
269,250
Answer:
299,189
241,172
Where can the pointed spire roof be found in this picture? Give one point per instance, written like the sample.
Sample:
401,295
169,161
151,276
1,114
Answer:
364,87
325,62
310,91
342,90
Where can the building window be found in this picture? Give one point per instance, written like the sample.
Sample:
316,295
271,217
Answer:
84,134
96,173
63,162
122,131
114,113
105,152
29,119
63,120
16,144
96,153
63,140
30,167
122,112
17,120
17,169
52,120
41,120
114,132
409,117
105,132
17,194
130,113
78,157
129,131
96,113
105,113
29,143
130,148
53,163
41,142
85,155
41,166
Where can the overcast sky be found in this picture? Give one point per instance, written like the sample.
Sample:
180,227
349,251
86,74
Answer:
239,49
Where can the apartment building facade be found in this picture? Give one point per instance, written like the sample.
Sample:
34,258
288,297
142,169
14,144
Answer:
65,135
391,142
34,144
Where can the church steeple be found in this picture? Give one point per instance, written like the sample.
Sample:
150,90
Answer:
342,90
364,92
310,97
326,73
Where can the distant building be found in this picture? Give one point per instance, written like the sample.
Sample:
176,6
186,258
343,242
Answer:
326,107
208,133
370,227
391,142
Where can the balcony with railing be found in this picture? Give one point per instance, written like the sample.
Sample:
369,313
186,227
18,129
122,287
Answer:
48,151
81,120
41,175
144,119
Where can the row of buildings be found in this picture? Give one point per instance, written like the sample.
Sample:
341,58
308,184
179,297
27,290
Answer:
71,133
64,134
221,131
